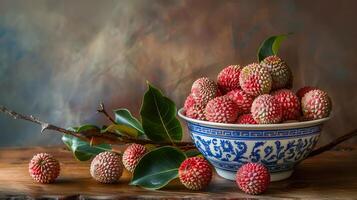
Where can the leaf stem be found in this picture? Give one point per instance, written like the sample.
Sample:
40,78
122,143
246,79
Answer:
101,109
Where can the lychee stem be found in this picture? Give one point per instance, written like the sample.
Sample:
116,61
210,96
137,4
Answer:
94,134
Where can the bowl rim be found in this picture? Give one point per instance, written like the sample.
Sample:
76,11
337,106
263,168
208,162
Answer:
279,126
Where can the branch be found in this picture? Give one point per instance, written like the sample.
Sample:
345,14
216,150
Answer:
333,143
93,134
101,109
43,125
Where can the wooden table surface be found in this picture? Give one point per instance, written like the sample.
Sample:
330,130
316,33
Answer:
331,175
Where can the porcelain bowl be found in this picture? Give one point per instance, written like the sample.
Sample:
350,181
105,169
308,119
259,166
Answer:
280,147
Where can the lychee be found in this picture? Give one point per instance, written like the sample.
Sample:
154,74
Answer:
316,104
106,167
197,111
255,80
132,156
266,110
253,178
228,78
280,72
188,102
246,119
242,99
302,91
195,173
194,109
289,103
44,168
203,90
221,109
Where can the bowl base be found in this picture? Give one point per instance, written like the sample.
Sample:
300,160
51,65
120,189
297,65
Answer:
278,176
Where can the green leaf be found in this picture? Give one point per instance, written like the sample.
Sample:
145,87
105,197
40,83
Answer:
192,153
84,128
82,150
158,167
158,115
124,117
121,130
270,46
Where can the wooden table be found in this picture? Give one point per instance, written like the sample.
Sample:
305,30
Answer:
332,174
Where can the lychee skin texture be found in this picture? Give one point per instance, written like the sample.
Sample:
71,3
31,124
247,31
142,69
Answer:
242,99
253,178
302,91
316,104
255,80
189,102
222,110
279,71
246,119
197,111
132,156
193,109
228,78
44,168
203,90
106,167
195,173
266,110
289,103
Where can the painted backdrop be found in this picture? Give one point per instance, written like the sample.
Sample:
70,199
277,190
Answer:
59,59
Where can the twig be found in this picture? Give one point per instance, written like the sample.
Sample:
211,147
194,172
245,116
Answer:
101,109
333,143
43,125
93,134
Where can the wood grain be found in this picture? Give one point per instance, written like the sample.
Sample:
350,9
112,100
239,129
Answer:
329,175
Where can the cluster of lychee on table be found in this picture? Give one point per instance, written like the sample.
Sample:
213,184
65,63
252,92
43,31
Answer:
255,94
195,173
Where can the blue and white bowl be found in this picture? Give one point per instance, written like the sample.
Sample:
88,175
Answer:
278,146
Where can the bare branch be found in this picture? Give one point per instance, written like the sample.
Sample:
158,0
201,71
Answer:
93,134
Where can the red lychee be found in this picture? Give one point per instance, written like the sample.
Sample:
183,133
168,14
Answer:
302,91
221,109
228,78
132,155
246,119
203,90
44,168
316,104
255,80
266,110
106,167
242,99
253,178
279,71
289,103
195,173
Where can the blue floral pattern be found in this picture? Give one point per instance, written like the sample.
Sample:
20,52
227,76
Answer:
279,150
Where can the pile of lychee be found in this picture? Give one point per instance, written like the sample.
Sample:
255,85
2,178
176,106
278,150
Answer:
255,94
106,167
195,173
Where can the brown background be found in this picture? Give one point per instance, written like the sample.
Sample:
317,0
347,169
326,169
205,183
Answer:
59,59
